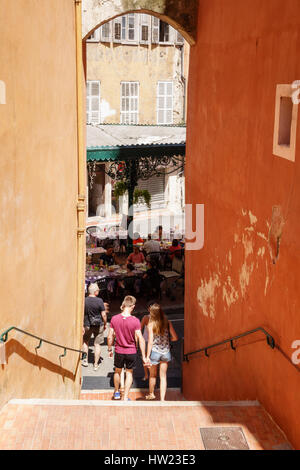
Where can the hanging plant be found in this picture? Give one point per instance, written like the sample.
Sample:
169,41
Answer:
142,195
120,188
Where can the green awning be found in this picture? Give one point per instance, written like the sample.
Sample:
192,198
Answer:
132,152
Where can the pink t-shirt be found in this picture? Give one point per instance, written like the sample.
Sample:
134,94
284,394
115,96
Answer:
136,258
125,328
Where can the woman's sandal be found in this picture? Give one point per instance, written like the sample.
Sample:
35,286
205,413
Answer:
150,397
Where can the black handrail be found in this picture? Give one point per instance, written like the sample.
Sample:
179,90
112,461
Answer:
3,339
270,341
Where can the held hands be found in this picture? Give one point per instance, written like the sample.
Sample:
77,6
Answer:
110,353
147,362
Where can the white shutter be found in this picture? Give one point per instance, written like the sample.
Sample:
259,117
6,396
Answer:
155,30
164,103
129,102
93,102
179,38
156,187
105,32
131,27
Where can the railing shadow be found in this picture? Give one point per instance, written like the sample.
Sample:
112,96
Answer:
14,347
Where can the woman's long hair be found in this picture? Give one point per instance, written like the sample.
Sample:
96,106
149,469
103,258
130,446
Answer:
158,319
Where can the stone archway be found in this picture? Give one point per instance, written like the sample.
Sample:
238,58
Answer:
181,14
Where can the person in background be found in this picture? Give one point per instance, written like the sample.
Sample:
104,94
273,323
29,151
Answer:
108,258
136,257
161,332
175,247
137,238
126,331
95,320
151,279
151,246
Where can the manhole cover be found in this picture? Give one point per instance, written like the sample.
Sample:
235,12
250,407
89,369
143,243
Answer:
224,438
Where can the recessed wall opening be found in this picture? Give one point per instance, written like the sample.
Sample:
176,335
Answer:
285,121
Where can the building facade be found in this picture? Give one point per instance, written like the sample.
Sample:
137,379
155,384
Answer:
137,69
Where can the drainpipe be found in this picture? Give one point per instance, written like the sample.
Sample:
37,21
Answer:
183,79
81,198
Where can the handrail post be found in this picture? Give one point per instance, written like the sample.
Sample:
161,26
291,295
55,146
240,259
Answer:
64,354
40,345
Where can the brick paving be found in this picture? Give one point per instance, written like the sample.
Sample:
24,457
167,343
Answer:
98,424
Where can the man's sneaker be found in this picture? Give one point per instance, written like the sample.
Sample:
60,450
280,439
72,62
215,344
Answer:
96,367
117,396
84,360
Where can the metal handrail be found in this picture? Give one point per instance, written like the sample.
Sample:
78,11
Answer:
270,341
4,335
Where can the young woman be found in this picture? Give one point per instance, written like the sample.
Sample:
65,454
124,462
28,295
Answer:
160,333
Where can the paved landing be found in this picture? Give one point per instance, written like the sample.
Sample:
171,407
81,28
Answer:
90,424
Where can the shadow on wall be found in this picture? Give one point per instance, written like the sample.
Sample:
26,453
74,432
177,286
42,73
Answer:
14,347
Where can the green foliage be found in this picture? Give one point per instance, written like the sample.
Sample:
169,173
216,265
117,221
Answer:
140,195
120,188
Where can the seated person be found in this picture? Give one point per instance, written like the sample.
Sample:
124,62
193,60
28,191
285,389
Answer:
108,258
175,247
151,246
151,279
129,284
137,238
136,256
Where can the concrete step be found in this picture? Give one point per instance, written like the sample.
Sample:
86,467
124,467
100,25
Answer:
112,425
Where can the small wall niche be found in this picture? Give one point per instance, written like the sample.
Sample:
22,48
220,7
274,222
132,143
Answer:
286,114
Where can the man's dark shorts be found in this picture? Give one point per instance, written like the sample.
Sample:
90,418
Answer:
127,360
97,331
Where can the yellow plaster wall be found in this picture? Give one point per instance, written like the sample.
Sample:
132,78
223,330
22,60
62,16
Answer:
113,63
38,196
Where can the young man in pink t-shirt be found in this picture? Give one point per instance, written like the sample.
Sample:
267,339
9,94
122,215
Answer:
126,330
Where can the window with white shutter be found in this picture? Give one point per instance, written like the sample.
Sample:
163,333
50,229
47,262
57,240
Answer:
156,187
164,32
105,32
144,29
165,102
129,102
117,29
93,102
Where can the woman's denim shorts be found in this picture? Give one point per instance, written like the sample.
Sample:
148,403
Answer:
157,357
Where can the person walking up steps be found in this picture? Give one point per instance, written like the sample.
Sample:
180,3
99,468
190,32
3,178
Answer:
161,332
126,330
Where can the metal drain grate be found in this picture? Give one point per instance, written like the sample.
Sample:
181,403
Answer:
224,438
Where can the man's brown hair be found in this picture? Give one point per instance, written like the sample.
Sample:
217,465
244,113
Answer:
129,301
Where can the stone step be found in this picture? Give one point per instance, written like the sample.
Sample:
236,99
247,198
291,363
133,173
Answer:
112,425
135,394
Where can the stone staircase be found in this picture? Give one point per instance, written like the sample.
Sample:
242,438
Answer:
96,422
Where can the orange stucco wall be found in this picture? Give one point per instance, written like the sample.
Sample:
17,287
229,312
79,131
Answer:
38,196
244,49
